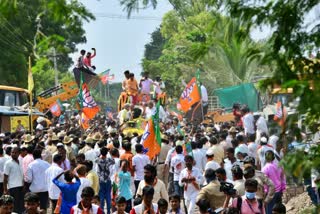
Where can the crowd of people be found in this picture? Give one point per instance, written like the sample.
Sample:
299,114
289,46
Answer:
65,170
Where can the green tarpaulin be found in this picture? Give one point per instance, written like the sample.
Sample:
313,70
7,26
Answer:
243,94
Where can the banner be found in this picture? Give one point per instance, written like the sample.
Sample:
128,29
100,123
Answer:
19,123
89,106
190,95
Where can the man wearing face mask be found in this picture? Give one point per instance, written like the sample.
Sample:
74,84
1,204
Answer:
150,179
249,204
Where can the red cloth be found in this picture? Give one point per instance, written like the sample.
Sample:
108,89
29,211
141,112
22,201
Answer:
87,60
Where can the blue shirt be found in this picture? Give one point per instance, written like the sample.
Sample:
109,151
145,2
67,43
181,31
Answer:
124,185
69,194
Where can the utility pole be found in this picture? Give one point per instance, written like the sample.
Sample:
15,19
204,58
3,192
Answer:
55,67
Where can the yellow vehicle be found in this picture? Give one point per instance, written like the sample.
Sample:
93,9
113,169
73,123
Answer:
63,92
14,112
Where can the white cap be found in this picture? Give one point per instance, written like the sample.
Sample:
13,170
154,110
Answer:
209,152
59,144
2,135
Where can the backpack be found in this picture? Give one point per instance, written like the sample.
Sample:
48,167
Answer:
239,204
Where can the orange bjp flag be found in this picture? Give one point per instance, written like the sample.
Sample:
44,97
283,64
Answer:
149,142
190,95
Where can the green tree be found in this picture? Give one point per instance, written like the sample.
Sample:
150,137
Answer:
33,27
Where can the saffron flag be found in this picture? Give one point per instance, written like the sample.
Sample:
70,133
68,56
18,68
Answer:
30,78
151,139
280,115
190,95
56,108
84,121
89,106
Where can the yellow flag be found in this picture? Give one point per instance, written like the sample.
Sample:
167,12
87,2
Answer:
30,78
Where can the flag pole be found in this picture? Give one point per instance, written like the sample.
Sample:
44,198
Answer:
30,100
199,88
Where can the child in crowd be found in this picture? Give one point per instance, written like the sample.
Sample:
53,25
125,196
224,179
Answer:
85,206
96,200
175,204
32,203
6,204
162,206
124,184
121,204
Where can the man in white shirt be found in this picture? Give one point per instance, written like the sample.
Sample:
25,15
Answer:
248,121
3,160
50,174
139,161
35,176
190,179
199,157
13,180
262,126
150,179
145,85
178,165
150,110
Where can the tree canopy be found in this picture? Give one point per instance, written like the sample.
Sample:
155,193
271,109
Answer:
34,28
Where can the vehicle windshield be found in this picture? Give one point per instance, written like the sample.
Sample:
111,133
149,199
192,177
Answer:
13,98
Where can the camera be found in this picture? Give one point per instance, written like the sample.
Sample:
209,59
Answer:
227,188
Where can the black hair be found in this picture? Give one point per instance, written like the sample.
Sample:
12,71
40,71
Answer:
36,154
152,169
89,165
127,146
251,183
213,140
179,149
68,175
31,197
163,203
230,150
115,152
137,201
81,155
223,135
194,145
249,172
131,75
30,149
279,208
83,52
252,137
104,151
221,171
188,157
87,192
116,144
120,200
237,172
210,174
1,151
8,150
240,138
174,196
147,190
6,200
203,205
57,158
139,148
127,72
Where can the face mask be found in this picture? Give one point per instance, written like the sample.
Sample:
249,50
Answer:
250,195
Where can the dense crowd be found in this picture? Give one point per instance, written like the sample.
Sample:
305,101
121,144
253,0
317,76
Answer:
229,166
